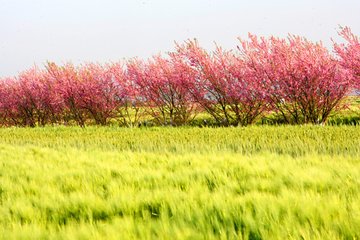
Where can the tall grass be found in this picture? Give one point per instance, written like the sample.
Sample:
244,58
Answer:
180,183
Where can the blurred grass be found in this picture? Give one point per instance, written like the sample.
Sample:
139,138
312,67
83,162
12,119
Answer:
285,139
258,182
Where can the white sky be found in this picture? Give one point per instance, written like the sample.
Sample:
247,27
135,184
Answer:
34,31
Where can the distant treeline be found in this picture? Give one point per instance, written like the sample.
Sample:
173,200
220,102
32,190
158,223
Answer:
297,80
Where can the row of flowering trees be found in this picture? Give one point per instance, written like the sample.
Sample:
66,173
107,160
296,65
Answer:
299,80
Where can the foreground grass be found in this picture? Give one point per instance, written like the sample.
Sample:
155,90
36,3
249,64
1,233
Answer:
286,182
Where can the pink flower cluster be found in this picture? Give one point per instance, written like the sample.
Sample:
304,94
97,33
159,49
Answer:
301,81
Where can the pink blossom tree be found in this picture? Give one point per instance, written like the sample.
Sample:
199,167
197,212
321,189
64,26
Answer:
8,109
162,82
68,86
28,98
223,86
129,110
349,54
304,81
98,93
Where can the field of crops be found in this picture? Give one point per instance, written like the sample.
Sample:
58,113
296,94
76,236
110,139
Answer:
285,182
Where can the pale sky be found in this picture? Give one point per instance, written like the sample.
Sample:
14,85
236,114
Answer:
34,31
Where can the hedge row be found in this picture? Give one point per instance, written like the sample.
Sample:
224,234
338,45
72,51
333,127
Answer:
298,80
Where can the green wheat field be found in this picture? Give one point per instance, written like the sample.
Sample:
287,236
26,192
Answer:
258,182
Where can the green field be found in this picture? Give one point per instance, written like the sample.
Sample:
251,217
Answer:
258,182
